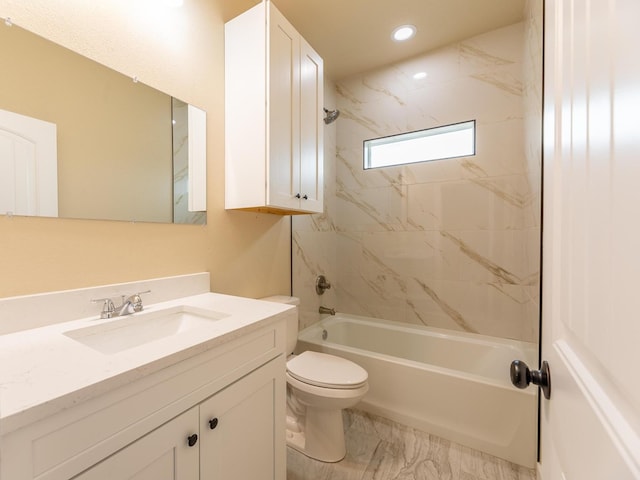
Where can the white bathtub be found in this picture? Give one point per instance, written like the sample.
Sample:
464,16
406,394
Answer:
453,385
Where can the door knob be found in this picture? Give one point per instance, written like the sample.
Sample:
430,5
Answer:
521,376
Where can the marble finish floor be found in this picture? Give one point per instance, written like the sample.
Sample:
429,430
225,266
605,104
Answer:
379,449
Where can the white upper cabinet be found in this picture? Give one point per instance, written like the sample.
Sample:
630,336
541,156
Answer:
273,115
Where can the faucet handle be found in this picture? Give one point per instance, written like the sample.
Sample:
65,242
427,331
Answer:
322,284
108,308
136,301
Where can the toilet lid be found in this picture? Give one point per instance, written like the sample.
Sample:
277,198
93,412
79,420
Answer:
326,370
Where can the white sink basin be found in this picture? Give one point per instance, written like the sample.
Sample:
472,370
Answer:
131,331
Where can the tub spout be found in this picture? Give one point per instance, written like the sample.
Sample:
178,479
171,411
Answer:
330,311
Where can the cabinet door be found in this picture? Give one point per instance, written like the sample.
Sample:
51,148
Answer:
243,428
284,112
311,129
163,454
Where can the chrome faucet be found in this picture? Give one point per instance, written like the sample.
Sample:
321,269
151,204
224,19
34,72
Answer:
322,284
130,304
330,311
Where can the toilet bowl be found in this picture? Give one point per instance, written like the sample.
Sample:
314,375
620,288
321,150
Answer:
323,385
319,387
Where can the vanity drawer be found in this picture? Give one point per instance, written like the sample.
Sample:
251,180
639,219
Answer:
68,443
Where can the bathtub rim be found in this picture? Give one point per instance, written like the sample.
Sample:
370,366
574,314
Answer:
528,350
411,326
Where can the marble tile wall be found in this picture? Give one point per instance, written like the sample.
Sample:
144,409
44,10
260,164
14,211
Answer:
313,241
450,243
180,133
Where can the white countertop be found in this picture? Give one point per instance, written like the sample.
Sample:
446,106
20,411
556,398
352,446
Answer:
42,371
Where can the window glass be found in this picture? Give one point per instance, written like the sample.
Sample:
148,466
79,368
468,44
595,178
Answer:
449,141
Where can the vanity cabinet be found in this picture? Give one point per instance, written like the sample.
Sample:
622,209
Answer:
273,116
163,454
219,414
228,436
237,432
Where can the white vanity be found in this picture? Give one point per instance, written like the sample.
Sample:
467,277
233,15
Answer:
191,387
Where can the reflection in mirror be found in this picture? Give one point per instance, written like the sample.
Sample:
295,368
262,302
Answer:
113,139
28,165
189,197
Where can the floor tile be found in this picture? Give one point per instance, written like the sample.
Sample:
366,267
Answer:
379,449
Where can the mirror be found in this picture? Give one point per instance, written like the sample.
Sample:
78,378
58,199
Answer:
114,148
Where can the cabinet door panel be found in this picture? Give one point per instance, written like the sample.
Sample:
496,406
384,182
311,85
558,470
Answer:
284,108
163,454
248,439
311,133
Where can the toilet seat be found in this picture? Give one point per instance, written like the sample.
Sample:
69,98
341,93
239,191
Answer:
328,371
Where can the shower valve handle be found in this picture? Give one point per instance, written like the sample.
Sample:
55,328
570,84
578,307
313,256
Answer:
322,284
521,376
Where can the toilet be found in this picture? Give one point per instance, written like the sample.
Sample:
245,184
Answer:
319,387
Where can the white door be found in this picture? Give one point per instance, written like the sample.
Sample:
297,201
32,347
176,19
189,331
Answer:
590,428
28,166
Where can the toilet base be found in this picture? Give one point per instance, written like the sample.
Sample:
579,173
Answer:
323,436
315,427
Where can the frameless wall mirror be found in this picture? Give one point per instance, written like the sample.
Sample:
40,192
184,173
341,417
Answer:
78,140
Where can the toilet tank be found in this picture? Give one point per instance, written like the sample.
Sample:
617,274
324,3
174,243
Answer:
292,321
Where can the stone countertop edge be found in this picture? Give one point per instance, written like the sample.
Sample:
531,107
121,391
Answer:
43,372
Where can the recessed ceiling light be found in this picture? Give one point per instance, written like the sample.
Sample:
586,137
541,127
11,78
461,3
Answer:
420,75
404,32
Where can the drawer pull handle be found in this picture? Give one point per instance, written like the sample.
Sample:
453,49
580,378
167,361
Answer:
192,439
213,423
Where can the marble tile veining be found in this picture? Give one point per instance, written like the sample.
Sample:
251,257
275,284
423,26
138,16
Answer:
452,243
379,449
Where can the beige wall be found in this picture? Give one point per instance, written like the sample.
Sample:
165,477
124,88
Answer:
181,52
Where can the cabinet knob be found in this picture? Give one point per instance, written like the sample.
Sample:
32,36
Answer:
192,439
213,423
305,197
297,195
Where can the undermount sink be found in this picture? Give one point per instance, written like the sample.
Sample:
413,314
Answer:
131,331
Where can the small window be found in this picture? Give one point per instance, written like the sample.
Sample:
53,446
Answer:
449,141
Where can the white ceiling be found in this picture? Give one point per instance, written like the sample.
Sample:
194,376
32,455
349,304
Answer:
353,36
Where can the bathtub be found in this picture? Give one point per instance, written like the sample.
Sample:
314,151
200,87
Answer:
451,384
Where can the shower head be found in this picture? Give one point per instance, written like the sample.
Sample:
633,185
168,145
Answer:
331,115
